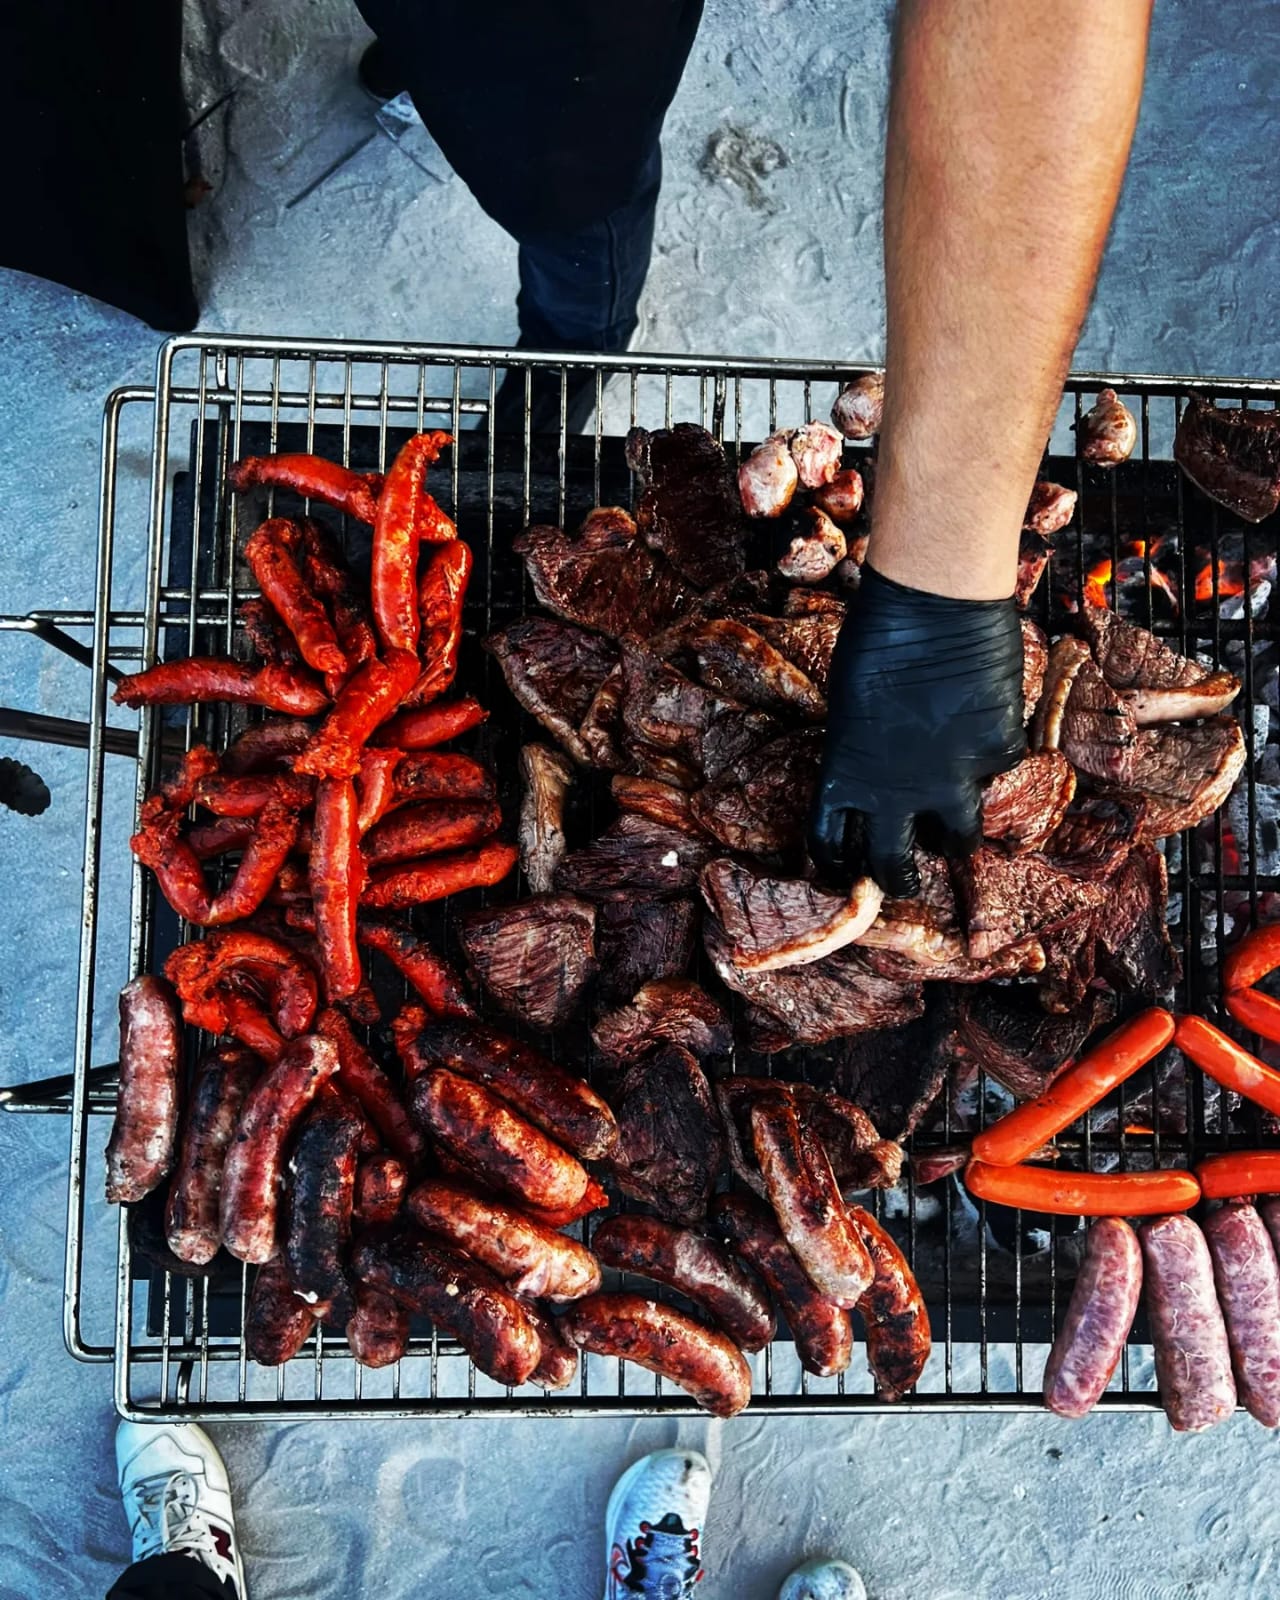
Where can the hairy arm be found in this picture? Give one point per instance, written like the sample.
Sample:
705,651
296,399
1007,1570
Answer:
1009,128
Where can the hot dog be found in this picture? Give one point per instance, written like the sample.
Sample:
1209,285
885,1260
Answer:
277,1323
1227,1062
662,1340
378,1332
140,1151
458,1295
1083,1194
893,1313
252,1175
823,1333
1101,1312
382,1181
494,1144
807,1202
1193,1358
1248,1282
694,1265
1255,1011
1239,1172
321,1197
191,1215
534,1261
1257,954
1076,1091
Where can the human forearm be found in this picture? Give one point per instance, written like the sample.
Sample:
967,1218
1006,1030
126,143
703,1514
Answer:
1009,129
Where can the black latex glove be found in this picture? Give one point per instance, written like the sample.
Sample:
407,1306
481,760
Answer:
925,700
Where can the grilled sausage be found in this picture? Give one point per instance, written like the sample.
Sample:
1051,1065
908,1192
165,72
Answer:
535,1262
337,874
1084,1194
1103,1305
323,1169
381,1184
807,1202
277,1323
702,1362
191,1215
558,1364
251,1178
458,1295
140,1151
361,1075
822,1332
555,1100
688,1261
1248,1280
1256,1011
504,1150
1193,1357
378,1332
893,1313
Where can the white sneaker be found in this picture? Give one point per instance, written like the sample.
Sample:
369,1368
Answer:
823,1580
176,1496
653,1524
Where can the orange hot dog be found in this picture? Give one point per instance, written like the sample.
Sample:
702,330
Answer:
1257,1012
1239,1172
1227,1062
1257,954
1084,1194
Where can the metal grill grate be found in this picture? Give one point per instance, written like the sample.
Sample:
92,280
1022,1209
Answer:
176,1347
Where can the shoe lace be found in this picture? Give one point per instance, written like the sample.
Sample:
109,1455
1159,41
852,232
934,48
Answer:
666,1568
169,1505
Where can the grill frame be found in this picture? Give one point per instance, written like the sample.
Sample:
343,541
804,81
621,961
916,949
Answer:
171,1376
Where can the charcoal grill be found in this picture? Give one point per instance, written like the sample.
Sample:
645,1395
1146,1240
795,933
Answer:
175,1345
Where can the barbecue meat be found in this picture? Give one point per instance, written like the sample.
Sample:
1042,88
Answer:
1005,899
860,1158
1035,658
1185,772
808,641
1066,659
758,805
670,1143
638,940
667,712
660,802
634,858
1159,684
665,1011
839,994
859,406
534,958
600,730
689,508
735,660
1023,807
896,1074
814,554
1049,509
547,777
1099,732
816,449
1232,455
813,603
606,577
1097,832
1004,1030
1134,951
1070,963
1107,433
784,922
554,670
1033,556
768,478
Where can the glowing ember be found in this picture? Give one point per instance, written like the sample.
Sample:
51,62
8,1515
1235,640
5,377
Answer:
1230,581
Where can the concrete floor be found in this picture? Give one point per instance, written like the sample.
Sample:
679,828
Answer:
1008,1508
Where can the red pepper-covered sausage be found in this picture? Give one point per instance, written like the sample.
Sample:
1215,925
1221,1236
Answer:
378,1333
359,1073
321,1198
206,972
375,784
458,1295
337,875
268,637
893,1312
159,845
429,830
1257,954
696,1266
191,1214
823,1333
1103,1305
441,595
429,973
141,1149
277,1322
534,1262
1248,1282
1083,1194
198,679
419,882
332,579
266,746
1193,1358
398,530
699,1360
210,839
247,795
1227,1062
274,551
432,725
273,837
253,1172
367,700
442,775
382,1181
353,493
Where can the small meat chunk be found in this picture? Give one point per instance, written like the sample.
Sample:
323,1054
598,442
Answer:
758,805
535,958
632,858
688,508
554,670
606,577
639,940
842,498
1233,455
767,479
1050,508
1024,806
859,408
547,777
735,660
1035,659
814,554
816,449
1106,434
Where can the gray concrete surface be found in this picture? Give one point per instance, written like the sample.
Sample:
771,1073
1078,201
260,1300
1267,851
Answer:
1008,1508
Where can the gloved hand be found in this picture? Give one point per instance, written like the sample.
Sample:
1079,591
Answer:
924,701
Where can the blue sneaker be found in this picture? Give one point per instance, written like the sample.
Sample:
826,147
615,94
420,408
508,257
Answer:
653,1524
823,1580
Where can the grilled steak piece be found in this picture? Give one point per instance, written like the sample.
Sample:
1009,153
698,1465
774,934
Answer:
606,577
1134,952
1006,1032
925,930
808,641
735,660
859,1157
601,728
534,958
1099,731
554,670
1022,807
1159,685
1035,658
660,802
1096,833
547,777
1050,508
1071,954
670,1143
839,994
1066,658
1005,899
689,507
638,940
664,711
784,922
1185,772
634,858
666,1011
896,1074
758,805
1232,455
1033,556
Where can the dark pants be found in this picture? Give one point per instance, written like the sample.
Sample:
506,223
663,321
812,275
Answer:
550,111
169,1578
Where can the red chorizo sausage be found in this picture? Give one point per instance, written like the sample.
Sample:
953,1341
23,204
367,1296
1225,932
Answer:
398,529
375,784
277,1323
141,1149
423,775
361,1074
893,1313
1103,1305
337,875
266,746
1193,1357
199,679
1248,1282
353,493
441,595
419,882
333,580
429,726
367,699
274,552
427,830
191,1214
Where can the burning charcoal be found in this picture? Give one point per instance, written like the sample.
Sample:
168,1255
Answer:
1035,659
688,507
1158,684
813,555
634,858
735,660
547,777
759,804
816,449
1232,455
1033,556
606,577
1023,807
666,1011
1107,434
1185,772
860,406
639,940
774,923
1050,508
534,958
767,479
842,498
554,670
860,1158
1005,899
670,1142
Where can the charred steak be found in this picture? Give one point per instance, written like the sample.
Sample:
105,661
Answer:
1233,455
689,507
638,940
1022,807
1158,684
1005,899
670,1142
534,957
665,1011
784,922
554,670
1185,771
634,857
758,805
